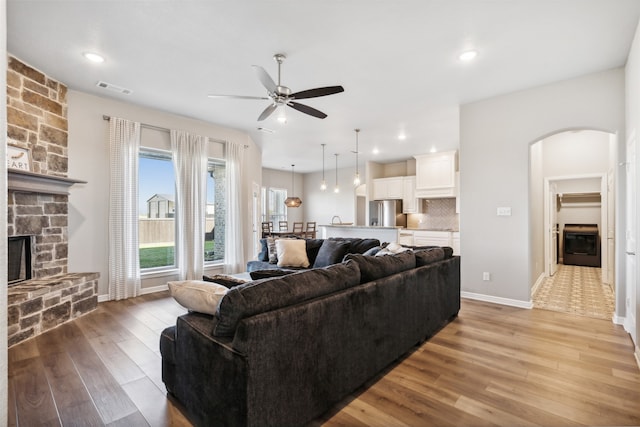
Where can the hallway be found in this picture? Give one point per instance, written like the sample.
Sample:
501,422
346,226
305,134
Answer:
576,290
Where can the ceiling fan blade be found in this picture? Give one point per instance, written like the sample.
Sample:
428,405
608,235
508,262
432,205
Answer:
267,111
320,91
237,96
307,110
265,78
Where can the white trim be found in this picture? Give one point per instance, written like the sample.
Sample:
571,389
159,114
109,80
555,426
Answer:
536,285
143,291
497,300
618,320
153,289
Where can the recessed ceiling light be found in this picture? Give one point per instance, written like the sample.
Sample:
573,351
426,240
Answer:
402,137
433,150
93,57
375,151
468,55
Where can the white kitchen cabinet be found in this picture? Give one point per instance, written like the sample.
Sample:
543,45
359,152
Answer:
405,237
388,188
436,174
410,204
432,238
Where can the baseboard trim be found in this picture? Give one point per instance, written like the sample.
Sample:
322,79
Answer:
497,300
536,285
143,291
618,320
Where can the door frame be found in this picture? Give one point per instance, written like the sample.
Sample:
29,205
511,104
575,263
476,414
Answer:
604,222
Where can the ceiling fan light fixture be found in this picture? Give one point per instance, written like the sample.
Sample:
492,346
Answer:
293,201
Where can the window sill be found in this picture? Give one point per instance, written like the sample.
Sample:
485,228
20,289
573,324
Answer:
158,273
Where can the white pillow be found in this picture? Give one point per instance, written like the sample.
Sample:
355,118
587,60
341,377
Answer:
392,248
197,295
292,253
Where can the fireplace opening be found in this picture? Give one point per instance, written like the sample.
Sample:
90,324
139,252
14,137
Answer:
581,245
19,259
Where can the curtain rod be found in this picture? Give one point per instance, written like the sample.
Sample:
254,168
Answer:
161,129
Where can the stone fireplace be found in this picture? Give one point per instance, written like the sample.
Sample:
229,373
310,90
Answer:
38,205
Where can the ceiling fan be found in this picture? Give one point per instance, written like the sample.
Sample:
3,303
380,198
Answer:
281,95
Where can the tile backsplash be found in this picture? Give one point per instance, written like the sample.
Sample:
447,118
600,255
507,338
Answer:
439,214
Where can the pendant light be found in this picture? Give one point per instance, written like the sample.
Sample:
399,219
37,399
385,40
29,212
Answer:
356,178
292,202
336,189
323,183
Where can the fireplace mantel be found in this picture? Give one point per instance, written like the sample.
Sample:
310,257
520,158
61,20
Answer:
31,182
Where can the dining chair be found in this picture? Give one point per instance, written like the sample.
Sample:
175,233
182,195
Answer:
267,228
310,231
283,226
298,228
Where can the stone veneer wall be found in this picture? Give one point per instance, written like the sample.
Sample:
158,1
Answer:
37,120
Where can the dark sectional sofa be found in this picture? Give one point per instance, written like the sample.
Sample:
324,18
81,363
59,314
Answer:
284,350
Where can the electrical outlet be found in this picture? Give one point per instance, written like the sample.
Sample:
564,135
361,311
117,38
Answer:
486,276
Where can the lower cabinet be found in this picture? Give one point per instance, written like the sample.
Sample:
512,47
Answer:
405,237
432,238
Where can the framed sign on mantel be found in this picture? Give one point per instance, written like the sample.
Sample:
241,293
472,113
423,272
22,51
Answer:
18,158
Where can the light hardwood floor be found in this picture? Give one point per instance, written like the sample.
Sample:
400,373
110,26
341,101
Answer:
494,365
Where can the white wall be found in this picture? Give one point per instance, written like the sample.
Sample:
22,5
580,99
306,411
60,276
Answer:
89,161
632,91
3,214
323,205
495,136
536,211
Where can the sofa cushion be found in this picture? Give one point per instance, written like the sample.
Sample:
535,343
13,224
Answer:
376,267
360,246
292,253
270,294
197,295
429,256
331,252
265,274
224,280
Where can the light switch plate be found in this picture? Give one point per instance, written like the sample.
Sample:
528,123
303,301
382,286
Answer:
504,211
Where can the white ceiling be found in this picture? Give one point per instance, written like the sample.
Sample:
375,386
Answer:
397,61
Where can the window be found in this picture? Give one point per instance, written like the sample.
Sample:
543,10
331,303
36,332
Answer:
273,207
216,212
156,223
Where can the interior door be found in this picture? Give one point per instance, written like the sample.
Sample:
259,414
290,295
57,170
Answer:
630,236
552,228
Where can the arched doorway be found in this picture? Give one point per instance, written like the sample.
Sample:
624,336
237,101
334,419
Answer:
572,202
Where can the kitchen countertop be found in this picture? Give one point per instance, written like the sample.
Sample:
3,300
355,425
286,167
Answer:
359,226
433,229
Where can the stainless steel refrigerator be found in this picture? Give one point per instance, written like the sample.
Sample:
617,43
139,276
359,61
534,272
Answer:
387,213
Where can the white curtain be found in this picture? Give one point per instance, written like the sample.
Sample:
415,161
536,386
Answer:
124,258
233,240
190,164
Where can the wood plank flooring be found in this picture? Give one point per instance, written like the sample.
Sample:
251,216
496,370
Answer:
493,366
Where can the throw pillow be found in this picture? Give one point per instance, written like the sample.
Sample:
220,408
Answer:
264,250
271,246
331,252
392,248
292,253
197,295
224,280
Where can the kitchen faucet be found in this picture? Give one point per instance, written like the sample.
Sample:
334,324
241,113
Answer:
333,220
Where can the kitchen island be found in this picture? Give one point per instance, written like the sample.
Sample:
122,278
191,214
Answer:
384,234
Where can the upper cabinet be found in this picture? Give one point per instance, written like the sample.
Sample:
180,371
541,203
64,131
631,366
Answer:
436,174
410,204
388,188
